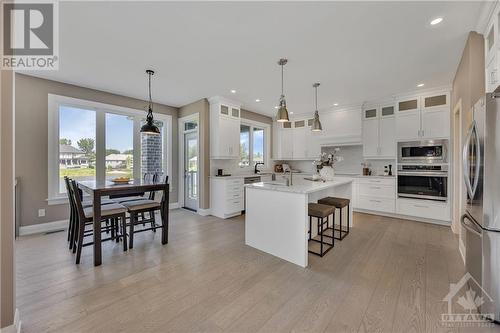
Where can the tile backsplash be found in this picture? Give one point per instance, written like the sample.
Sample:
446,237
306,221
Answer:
353,157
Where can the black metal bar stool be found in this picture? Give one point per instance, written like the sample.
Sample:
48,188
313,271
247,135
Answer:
339,203
320,212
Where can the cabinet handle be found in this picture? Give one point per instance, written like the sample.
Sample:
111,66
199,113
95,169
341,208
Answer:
420,206
375,187
493,78
374,181
375,201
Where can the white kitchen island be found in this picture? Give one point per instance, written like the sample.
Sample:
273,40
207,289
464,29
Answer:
276,218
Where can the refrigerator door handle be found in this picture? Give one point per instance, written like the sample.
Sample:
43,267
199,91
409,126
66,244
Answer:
478,159
469,225
465,164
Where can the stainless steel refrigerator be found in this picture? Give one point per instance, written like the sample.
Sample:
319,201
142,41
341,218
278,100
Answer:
481,168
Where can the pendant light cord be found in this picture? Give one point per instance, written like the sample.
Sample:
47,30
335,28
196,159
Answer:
282,80
149,86
316,98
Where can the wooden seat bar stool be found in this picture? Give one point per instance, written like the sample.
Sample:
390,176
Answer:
339,203
320,212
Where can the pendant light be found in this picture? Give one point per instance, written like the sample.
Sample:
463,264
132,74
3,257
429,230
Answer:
149,127
316,126
282,115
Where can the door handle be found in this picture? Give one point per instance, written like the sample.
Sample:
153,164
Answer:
465,164
478,160
469,225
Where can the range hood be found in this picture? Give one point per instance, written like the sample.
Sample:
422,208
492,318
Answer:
346,140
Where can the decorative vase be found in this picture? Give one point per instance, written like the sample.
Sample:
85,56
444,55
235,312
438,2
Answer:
327,173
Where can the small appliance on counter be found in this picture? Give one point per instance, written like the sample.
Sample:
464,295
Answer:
278,168
366,169
220,173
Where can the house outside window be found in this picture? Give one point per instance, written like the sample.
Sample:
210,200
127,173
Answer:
254,143
95,141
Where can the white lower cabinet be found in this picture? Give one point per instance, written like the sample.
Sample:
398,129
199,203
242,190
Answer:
376,194
424,209
226,197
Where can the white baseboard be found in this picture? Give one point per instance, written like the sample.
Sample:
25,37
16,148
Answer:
203,212
58,225
15,327
43,227
404,217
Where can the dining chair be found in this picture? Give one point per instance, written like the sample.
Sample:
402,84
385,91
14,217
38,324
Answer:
150,206
73,212
112,212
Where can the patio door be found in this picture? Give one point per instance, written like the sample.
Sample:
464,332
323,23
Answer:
191,170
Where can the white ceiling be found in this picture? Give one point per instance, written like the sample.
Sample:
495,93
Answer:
358,50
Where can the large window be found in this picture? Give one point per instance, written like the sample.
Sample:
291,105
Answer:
253,144
95,141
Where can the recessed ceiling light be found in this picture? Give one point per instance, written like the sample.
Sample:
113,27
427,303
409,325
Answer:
437,20
233,91
335,104
420,85
257,100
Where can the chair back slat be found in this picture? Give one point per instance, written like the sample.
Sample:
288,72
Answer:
78,200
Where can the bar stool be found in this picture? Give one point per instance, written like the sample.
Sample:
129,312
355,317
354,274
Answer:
320,212
339,203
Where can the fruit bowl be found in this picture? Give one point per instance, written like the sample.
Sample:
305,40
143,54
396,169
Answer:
121,180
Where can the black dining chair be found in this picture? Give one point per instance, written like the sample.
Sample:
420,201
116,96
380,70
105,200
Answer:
150,206
73,212
84,219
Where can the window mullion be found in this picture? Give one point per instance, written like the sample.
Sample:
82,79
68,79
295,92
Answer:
250,148
137,148
100,146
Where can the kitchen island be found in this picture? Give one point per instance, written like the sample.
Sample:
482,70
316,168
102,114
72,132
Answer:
276,217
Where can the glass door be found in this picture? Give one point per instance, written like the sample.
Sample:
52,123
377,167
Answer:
191,170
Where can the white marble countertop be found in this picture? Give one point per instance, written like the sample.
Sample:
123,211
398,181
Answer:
302,188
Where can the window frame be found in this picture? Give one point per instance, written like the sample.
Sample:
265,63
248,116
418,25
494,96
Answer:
55,197
267,142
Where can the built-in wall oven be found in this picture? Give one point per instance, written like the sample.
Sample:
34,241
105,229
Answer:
423,152
423,181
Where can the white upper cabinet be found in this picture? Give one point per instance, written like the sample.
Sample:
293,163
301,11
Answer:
224,128
423,117
379,136
294,140
491,50
341,126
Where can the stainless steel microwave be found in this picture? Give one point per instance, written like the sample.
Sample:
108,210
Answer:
426,151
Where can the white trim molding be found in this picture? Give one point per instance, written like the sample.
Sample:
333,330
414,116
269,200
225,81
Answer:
43,227
16,326
182,132
204,212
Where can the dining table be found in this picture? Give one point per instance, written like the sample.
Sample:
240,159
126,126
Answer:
99,189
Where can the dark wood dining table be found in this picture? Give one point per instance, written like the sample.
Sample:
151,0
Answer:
98,189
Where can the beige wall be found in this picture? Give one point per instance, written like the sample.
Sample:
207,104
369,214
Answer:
202,108
468,87
7,280
31,141
250,115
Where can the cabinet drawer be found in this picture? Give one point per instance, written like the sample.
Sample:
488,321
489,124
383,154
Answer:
424,209
233,188
378,181
234,205
231,182
377,204
234,195
377,190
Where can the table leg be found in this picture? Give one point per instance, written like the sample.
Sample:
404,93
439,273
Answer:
97,229
164,217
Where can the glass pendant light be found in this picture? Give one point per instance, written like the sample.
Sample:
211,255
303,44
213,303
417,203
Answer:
149,127
282,115
316,126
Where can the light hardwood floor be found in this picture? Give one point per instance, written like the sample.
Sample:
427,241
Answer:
387,275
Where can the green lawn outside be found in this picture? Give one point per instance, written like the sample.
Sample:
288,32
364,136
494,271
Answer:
85,172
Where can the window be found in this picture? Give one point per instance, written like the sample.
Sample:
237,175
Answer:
253,144
95,141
